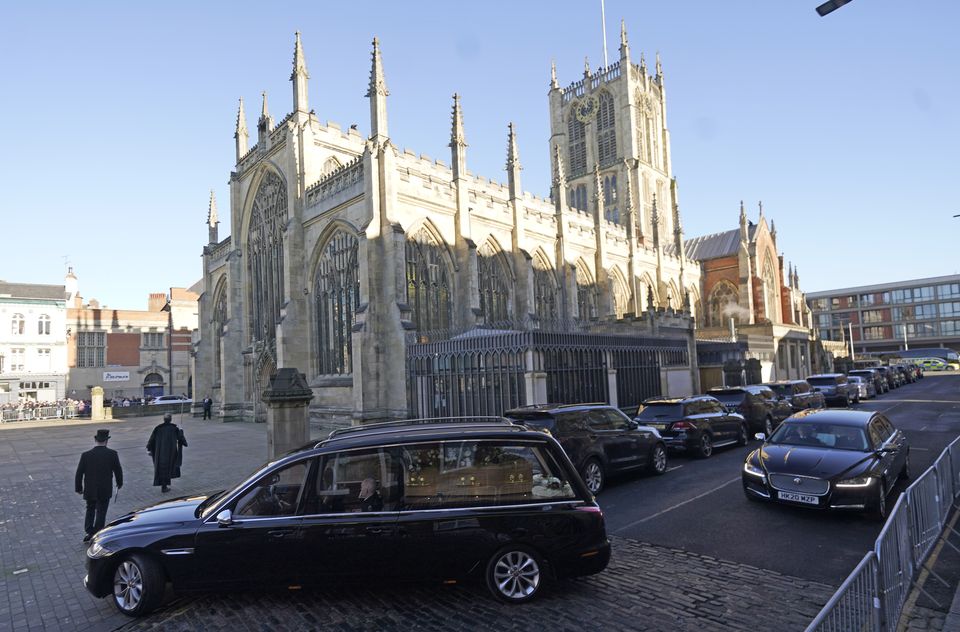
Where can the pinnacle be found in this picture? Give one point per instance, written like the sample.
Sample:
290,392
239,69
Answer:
299,61
241,119
457,137
378,85
212,219
513,154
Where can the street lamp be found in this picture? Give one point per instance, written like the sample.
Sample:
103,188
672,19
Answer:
831,6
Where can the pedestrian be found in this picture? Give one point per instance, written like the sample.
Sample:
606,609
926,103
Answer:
166,448
207,406
94,481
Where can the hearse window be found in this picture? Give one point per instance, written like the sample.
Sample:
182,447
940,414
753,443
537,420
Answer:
353,482
276,494
477,474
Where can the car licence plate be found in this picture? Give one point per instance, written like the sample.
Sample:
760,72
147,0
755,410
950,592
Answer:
658,426
799,498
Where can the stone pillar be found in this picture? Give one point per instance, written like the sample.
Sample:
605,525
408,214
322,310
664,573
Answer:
96,403
287,400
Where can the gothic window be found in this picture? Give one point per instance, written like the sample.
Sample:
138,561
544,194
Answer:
336,297
771,295
576,133
606,130
265,256
43,325
611,210
586,295
577,197
724,304
219,322
544,291
17,325
494,282
621,299
428,284
641,120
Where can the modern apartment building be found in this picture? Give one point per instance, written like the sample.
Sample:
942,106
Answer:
890,316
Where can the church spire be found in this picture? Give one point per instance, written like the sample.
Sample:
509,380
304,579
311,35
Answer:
299,77
264,124
212,220
241,135
744,234
378,93
458,142
513,163
659,68
624,45
553,75
559,173
760,204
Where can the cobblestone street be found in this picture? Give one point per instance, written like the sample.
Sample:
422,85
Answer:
646,587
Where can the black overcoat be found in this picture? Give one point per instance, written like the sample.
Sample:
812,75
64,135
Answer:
95,472
166,447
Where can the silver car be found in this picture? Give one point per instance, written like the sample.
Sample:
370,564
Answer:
866,388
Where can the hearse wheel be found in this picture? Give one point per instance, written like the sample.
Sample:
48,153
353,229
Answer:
515,574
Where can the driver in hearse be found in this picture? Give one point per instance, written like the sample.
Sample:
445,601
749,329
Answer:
369,496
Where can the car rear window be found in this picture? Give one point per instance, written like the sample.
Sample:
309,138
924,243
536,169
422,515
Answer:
822,381
651,412
734,398
782,390
542,421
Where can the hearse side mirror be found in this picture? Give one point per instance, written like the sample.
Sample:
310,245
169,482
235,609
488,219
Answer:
225,518
633,424
760,436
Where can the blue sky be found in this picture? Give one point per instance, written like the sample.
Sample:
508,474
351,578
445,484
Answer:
118,118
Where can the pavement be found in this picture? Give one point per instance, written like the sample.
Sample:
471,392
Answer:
648,586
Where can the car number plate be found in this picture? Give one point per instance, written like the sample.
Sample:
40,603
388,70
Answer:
799,498
658,426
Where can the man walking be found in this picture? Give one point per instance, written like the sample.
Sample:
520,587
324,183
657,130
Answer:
166,448
207,407
94,480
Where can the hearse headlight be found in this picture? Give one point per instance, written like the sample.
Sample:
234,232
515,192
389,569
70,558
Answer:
98,551
752,469
860,481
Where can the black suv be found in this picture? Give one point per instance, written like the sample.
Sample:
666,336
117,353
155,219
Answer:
835,388
798,393
599,439
889,376
758,404
695,424
434,500
872,374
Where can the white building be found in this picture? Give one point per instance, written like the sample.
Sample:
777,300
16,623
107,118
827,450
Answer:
33,341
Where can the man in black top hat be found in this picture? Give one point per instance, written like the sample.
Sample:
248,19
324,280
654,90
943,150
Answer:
94,480
166,449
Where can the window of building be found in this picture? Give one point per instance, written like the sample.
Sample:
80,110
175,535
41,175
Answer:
268,219
428,284
586,296
90,348
577,198
948,310
915,312
866,300
606,130
771,293
611,210
949,290
219,322
577,146
153,340
336,296
823,320
724,304
818,304
872,316
494,286
621,299
17,355
920,330
17,324
43,359
835,302
873,333
851,301
950,327
545,291
43,325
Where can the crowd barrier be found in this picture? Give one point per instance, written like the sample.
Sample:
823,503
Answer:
43,412
871,599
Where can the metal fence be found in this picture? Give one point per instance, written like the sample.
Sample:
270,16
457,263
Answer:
873,596
43,412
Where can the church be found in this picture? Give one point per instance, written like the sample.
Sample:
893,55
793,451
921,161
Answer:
402,286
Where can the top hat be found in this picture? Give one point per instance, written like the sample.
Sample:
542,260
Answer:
102,435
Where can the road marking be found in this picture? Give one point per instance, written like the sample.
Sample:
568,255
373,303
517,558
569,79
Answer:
675,467
677,506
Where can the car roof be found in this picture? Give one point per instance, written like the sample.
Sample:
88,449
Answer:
859,418
556,408
826,375
782,382
677,400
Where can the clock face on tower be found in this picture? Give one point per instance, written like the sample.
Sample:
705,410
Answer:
587,109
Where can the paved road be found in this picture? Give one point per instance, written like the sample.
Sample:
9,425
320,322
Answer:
689,551
699,506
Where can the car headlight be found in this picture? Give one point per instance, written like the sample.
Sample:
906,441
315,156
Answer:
860,481
752,469
97,551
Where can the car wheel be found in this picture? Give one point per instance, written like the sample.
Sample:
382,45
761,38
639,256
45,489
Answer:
658,460
905,472
742,435
592,474
768,426
705,446
880,508
138,585
514,574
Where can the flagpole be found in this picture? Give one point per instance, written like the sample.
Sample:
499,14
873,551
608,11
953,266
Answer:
603,24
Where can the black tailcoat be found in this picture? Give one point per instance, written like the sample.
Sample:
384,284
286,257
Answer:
95,472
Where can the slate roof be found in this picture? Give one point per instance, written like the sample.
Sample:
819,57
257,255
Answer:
717,245
33,291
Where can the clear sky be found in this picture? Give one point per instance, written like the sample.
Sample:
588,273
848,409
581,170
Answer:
118,118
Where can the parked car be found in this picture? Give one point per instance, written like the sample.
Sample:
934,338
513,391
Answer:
380,499
909,377
599,439
865,387
917,369
695,424
889,376
829,459
170,399
758,404
880,384
835,388
798,394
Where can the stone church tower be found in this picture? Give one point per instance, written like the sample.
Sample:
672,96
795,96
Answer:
347,252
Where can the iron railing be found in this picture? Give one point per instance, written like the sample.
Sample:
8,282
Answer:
33,414
872,597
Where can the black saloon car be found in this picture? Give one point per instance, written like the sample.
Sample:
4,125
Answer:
433,501
758,404
695,425
598,438
798,394
829,459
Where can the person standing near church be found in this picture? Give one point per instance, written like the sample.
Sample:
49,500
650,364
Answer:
94,481
166,448
207,407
